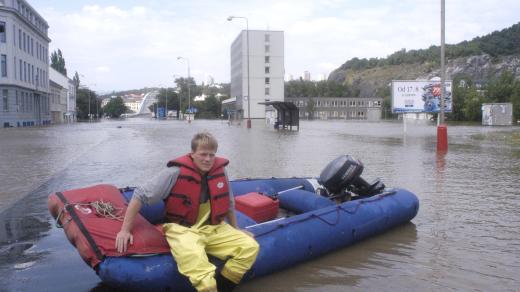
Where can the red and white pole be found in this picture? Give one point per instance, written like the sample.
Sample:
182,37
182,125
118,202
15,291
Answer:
442,129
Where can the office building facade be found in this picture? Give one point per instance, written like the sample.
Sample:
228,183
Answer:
24,63
346,108
264,75
62,98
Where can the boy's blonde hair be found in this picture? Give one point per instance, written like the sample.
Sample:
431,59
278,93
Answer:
205,140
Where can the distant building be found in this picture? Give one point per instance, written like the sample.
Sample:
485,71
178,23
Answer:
321,77
306,76
71,114
348,108
58,96
265,74
106,100
201,97
24,63
133,103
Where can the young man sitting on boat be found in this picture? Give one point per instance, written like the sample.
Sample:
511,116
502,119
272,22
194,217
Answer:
198,197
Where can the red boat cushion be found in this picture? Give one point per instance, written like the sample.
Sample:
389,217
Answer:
97,239
259,207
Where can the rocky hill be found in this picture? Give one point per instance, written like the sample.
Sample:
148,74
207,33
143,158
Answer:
480,60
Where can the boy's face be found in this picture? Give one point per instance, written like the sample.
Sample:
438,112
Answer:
204,158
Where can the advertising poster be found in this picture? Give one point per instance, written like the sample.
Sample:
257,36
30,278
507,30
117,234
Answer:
410,96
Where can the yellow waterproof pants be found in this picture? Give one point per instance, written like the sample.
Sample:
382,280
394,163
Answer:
190,246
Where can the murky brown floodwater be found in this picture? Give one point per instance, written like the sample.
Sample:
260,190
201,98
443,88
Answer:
465,236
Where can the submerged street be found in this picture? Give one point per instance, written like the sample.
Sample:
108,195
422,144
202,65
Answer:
465,236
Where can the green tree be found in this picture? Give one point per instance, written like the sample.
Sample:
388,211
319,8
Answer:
83,97
58,62
386,109
115,107
76,80
515,100
473,106
166,96
182,87
208,109
498,43
501,89
462,87
328,88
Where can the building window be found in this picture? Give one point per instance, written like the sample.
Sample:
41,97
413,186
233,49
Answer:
5,100
267,47
266,59
20,38
267,80
266,70
23,41
267,37
22,101
267,91
2,32
4,66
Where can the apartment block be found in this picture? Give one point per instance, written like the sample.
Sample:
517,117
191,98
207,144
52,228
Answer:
257,71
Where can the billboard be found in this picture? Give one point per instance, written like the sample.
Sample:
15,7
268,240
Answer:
411,96
161,112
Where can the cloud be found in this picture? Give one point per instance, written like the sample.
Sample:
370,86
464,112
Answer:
103,69
120,46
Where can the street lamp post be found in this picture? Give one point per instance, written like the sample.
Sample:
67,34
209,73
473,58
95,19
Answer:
89,96
188,83
247,49
179,96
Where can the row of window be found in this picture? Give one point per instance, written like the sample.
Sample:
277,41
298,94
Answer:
24,72
31,16
24,102
340,103
28,73
25,124
334,114
267,68
26,43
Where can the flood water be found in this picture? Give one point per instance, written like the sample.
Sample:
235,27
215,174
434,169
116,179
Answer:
465,237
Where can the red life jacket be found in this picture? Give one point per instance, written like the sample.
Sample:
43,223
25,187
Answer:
182,205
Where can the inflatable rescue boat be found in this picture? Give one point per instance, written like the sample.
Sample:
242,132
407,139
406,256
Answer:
293,220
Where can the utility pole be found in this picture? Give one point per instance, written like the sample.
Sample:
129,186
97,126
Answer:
442,129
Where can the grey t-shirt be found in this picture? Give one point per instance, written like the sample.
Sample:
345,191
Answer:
158,188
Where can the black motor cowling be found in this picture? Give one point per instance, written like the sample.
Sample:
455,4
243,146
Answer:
344,174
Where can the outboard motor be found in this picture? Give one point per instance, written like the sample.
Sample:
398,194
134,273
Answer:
343,175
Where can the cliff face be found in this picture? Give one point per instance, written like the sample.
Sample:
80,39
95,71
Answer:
478,68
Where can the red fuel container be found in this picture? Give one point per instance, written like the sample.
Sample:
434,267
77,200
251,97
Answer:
259,207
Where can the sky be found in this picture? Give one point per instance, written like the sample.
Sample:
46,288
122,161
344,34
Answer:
128,44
